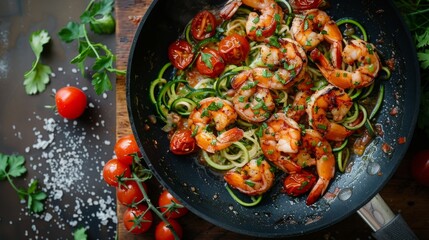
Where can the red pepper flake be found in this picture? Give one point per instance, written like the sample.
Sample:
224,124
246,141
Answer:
391,63
394,111
386,148
402,140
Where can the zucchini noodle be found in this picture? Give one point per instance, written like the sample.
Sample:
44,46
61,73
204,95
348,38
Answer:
181,96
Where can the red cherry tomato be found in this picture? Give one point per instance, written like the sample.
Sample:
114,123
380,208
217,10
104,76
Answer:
70,102
165,200
134,220
125,148
298,183
162,232
234,48
129,193
420,167
210,63
182,142
114,169
300,5
203,25
180,54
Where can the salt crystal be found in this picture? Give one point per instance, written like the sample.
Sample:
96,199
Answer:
48,217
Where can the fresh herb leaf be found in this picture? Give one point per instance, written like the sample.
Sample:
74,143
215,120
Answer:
423,39
80,234
72,31
424,58
205,57
12,166
36,79
98,15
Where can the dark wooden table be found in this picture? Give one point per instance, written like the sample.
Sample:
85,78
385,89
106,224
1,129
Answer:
401,193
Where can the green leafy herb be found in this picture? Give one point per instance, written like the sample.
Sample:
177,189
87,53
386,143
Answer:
205,57
415,16
80,234
100,19
12,167
36,79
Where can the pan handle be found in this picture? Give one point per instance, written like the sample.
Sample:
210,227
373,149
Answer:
384,223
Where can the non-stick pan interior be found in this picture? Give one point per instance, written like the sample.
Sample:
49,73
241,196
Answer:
203,190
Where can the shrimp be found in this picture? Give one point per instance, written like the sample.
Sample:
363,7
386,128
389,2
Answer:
288,61
357,52
254,178
299,104
314,27
315,150
280,138
252,103
258,26
335,101
221,113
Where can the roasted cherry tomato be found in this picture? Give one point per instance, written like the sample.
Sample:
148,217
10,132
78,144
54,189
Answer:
234,48
420,167
203,25
130,193
301,5
210,63
125,148
182,142
70,102
166,200
115,169
134,220
298,183
180,54
162,232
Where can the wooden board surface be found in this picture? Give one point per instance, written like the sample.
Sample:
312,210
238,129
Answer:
402,194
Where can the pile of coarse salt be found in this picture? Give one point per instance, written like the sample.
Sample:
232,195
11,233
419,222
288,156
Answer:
67,155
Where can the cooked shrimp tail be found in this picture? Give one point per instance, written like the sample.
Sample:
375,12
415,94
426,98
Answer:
219,112
317,191
230,9
357,52
254,178
210,143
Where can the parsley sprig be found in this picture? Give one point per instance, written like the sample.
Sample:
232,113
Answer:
416,17
36,79
12,166
98,15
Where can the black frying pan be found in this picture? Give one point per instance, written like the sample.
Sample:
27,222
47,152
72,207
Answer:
203,191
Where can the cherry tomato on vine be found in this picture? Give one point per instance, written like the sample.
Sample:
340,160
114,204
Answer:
125,147
298,183
129,192
137,219
182,142
162,232
203,25
420,167
165,201
234,48
210,63
70,102
113,170
180,54
300,5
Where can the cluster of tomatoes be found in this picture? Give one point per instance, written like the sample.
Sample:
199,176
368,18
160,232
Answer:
131,191
211,62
